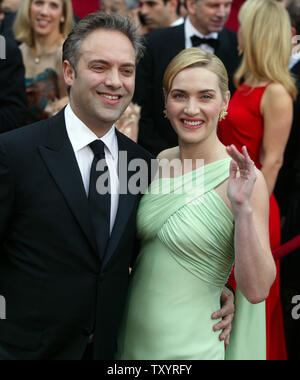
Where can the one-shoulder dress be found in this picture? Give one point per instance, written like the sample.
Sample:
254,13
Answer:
187,253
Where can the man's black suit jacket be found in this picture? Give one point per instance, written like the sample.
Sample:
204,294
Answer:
57,290
289,175
156,133
287,192
13,102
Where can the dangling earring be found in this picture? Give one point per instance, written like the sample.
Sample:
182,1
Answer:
166,114
240,52
223,114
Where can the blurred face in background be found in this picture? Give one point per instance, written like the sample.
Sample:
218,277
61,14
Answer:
183,9
11,5
157,14
114,6
46,16
209,16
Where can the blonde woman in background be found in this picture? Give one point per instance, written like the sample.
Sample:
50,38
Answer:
42,26
260,116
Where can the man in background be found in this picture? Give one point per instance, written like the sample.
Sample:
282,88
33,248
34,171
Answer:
11,5
159,14
287,192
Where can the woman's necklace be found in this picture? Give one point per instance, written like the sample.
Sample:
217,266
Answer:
37,57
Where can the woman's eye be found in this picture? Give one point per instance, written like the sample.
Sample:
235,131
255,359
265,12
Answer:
178,96
206,97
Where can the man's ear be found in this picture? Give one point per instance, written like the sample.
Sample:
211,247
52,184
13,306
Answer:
173,5
69,73
190,4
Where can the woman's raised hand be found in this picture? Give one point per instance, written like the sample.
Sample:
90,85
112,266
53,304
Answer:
242,178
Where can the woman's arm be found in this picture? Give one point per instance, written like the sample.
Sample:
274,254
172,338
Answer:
255,269
277,111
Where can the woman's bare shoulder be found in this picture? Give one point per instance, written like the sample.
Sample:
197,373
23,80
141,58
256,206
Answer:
169,154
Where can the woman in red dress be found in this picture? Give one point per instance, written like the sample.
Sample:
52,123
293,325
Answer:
260,117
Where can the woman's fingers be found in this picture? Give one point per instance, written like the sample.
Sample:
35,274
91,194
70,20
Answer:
250,163
233,169
243,159
236,155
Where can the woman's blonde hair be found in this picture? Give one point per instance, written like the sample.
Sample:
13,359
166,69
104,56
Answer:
196,57
22,26
267,38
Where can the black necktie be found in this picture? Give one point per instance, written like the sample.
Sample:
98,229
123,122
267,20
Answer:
99,197
197,41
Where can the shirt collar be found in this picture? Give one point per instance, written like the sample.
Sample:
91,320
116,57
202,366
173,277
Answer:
81,136
178,22
190,31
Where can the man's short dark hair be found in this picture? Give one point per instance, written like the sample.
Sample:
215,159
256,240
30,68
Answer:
96,21
294,12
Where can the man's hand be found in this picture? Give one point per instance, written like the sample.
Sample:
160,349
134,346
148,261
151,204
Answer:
227,314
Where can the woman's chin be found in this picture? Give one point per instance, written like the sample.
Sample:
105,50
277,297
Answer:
191,138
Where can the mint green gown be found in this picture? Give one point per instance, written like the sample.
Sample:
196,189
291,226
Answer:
187,254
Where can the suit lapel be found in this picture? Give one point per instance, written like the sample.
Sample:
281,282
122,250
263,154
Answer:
173,47
126,201
224,47
60,159
179,37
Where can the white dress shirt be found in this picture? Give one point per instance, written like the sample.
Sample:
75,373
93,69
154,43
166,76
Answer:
178,22
81,136
190,31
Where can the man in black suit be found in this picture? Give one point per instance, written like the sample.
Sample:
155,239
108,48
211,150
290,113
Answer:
13,102
65,251
287,192
203,28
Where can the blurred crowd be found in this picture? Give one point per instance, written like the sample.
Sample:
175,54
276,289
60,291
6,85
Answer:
262,57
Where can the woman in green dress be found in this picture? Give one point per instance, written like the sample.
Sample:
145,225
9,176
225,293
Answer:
206,210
